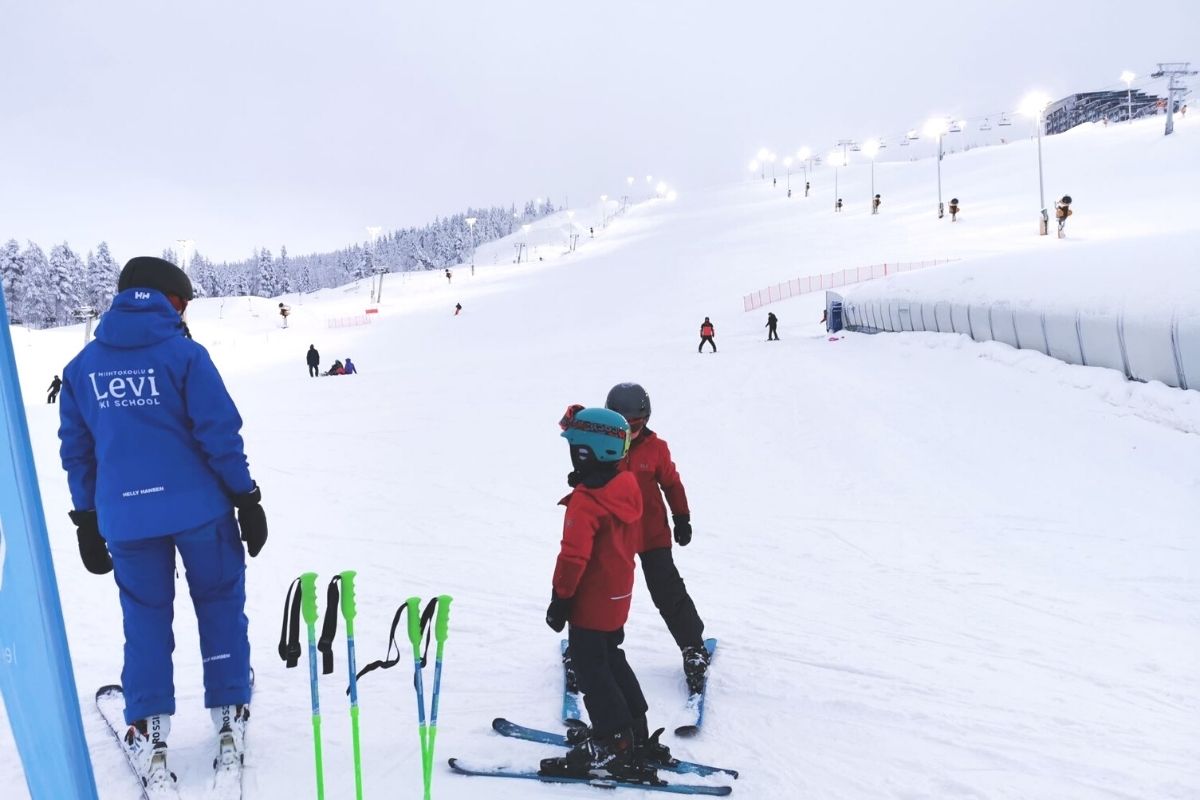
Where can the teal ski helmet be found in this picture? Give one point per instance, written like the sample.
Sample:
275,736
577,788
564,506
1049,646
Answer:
605,433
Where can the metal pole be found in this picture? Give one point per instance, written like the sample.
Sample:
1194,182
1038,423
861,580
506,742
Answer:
1170,105
835,187
874,210
1041,182
1129,99
941,208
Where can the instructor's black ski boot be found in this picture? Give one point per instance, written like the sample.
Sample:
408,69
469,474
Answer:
602,757
695,667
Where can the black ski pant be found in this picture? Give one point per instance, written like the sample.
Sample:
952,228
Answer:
52,397
771,334
708,339
671,598
313,371
611,691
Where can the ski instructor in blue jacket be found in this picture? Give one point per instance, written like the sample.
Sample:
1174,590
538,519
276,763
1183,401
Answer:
154,458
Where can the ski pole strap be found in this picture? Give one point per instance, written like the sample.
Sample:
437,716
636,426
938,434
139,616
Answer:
388,660
289,632
329,626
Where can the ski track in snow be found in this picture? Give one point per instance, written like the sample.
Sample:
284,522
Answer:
938,569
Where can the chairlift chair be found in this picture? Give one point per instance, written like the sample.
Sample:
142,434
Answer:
912,135
882,144
985,126
854,148
1004,121
955,128
904,142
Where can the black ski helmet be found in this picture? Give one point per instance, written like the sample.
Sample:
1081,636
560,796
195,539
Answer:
148,272
1066,199
629,400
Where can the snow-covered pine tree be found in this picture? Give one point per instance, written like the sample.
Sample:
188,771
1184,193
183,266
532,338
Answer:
37,291
12,276
263,284
103,274
284,272
67,282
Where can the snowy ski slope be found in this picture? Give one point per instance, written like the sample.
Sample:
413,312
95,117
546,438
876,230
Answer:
938,569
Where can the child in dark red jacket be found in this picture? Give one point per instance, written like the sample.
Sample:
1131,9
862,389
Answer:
650,462
593,585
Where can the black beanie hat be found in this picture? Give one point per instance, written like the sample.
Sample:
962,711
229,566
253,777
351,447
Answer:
148,272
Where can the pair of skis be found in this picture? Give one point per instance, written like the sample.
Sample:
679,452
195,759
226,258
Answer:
572,713
227,772
572,707
515,731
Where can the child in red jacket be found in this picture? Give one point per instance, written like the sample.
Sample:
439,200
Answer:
650,462
593,584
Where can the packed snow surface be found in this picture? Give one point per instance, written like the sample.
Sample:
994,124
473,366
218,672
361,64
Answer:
938,569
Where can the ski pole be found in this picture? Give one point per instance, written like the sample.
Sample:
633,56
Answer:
308,599
439,632
414,636
348,612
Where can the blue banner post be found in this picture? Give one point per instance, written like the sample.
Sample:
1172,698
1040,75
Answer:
36,677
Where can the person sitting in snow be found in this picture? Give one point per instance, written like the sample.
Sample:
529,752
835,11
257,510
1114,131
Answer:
337,368
349,369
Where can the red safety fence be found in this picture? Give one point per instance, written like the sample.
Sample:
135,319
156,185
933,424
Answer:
347,322
831,280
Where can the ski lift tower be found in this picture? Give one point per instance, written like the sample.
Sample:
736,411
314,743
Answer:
1172,71
86,314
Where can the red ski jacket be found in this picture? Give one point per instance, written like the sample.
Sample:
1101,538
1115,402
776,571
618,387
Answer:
650,461
707,329
595,562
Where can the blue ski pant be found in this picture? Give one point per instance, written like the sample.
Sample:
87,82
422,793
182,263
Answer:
214,562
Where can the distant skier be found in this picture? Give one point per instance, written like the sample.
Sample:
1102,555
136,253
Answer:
448,276
650,462
772,322
839,205
154,458
875,202
349,369
55,385
592,231
1062,210
807,186
592,588
314,361
707,332
457,309
283,312
954,209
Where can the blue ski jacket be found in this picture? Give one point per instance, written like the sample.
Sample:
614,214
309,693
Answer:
150,436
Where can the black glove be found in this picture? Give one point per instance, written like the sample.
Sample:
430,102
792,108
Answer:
252,520
557,612
572,479
92,548
683,529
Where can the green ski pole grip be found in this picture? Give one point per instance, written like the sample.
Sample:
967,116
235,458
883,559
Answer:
308,597
349,607
443,617
414,623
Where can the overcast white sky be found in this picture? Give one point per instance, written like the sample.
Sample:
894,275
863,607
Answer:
248,124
